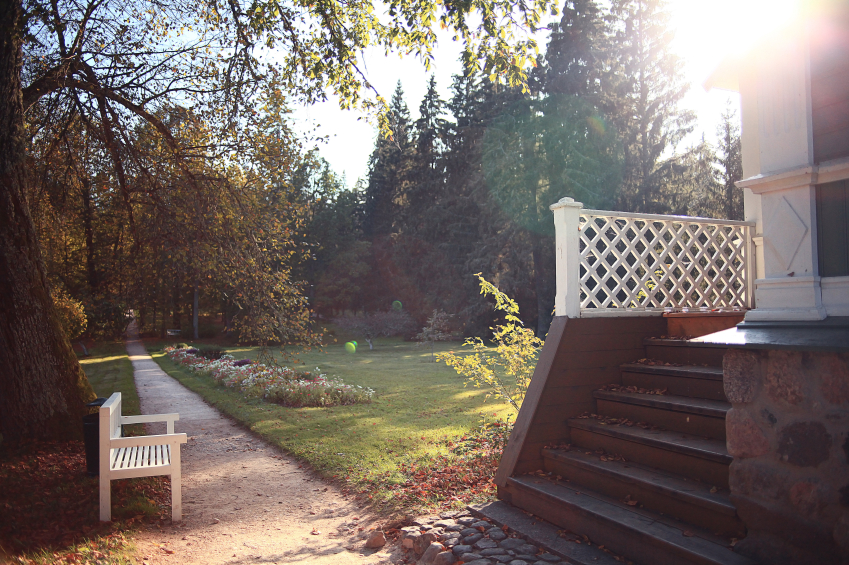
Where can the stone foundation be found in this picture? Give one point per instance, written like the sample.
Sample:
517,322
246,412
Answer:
788,431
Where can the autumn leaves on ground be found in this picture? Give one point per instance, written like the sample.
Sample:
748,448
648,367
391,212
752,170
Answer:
421,444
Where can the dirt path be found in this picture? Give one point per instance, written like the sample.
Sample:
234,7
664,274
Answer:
245,501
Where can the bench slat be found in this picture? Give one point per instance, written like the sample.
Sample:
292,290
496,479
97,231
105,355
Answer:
142,456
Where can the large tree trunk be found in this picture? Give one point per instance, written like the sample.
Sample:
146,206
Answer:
42,386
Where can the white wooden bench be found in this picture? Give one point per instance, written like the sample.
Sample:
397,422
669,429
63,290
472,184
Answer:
140,456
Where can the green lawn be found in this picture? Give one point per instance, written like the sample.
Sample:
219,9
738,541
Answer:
109,370
419,406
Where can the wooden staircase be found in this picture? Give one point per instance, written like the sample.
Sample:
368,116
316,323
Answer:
646,474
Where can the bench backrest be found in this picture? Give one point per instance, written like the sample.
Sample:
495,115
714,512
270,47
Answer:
110,419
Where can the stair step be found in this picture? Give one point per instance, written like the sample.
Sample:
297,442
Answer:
684,352
691,456
687,380
687,500
697,416
638,534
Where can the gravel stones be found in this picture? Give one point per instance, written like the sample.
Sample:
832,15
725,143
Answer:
445,558
421,543
431,552
511,543
458,538
496,534
485,544
461,549
376,539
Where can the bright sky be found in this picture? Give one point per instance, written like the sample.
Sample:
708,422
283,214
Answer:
706,31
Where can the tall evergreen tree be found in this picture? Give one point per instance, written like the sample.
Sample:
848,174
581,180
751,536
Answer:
388,170
576,52
730,161
643,97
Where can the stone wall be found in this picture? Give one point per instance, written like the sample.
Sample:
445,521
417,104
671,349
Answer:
788,431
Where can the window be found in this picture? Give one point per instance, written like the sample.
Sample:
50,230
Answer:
833,228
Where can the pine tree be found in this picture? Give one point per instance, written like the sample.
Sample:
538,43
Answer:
642,96
388,166
730,161
575,56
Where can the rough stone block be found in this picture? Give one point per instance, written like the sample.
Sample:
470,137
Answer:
833,370
421,543
804,444
496,533
485,544
409,538
841,532
431,552
785,376
461,549
528,549
511,543
772,549
741,375
376,539
745,437
812,498
445,558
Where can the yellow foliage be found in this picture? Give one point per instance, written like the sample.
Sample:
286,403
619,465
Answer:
507,368
71,313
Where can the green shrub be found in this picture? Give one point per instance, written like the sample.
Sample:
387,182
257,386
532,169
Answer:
71,313
508,370
107,319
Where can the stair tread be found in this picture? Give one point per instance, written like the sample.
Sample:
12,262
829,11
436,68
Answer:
669,484
700,546
696,446
681,343
690,405
689,371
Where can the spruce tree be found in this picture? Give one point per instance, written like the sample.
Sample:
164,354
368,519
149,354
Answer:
643,96
730,164
575,56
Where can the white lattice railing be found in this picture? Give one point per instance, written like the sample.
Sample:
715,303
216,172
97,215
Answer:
618,263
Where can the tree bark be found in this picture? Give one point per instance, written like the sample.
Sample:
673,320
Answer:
88,226
195,305
42,386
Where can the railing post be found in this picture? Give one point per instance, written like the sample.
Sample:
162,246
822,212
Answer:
567,301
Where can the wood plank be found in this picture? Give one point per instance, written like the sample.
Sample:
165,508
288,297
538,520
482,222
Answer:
532,398
639,535
561,365
831,145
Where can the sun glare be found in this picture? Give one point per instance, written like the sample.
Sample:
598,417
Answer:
707,31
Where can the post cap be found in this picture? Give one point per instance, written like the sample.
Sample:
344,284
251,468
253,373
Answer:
566,202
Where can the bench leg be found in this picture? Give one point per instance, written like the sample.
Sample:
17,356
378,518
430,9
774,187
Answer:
105,498
176,494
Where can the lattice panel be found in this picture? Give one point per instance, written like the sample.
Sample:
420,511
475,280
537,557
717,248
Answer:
652,263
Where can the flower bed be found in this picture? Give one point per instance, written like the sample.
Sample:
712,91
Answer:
282,385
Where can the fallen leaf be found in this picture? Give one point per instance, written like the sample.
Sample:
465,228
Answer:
687,533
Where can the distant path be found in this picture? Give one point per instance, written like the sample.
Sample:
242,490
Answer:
244,501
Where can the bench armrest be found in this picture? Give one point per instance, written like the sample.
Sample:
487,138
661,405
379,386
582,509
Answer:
139,441
149,418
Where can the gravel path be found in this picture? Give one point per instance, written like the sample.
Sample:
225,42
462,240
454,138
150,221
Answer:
245,501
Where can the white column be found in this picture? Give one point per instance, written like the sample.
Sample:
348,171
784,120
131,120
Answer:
567,301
